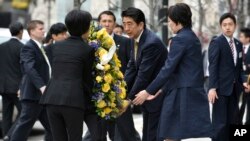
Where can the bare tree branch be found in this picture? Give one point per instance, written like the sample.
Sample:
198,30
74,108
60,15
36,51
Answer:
146,3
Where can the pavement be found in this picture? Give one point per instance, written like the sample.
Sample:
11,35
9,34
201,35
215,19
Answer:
38,131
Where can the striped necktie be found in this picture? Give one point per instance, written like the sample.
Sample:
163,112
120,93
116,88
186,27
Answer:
232,49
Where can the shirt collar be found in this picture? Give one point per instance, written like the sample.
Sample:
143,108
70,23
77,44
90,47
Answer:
38,43
139,37
228,38
247,45
112,34
14,37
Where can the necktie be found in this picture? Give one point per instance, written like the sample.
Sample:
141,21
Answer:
232,49
135,49
244,53
47,60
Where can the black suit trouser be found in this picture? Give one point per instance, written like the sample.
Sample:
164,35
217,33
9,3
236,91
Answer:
126,128
150,125
67,123
225,113
245,102
31,111
8,102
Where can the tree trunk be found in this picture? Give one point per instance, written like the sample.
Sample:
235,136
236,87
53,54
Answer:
201,18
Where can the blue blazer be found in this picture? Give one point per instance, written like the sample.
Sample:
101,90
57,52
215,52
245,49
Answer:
184,67
151,56
35,71
223,74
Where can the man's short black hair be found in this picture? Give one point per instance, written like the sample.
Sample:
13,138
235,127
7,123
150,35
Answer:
227,15
106,13
15,28
136,14
180,13
120,26
78,22
57,28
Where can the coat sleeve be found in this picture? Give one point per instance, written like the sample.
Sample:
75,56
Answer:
174,57
150,57
213,56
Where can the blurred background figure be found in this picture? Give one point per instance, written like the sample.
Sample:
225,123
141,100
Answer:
10,75
245,40
118,29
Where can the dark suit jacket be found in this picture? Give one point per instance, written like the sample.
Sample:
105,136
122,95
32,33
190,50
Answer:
246,62
71,82
151,56
124,46
223,73
10,70
184,67
35,71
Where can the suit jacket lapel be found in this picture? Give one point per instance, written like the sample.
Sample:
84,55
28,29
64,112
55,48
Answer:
36,47
227,48
140,44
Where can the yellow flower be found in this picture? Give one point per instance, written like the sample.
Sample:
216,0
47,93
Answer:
101,104
123,84
105,87
113,105
100,33
123,92
98,79
112,96
102,52
108,78
125,103
107,110
102,114
120,75
108,41
106,67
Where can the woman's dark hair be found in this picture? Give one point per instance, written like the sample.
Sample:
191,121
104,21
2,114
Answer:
180,14
227,15
15,28
106,13
47,38
78,22
136,14
57,28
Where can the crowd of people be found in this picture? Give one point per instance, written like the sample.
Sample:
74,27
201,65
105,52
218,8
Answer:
50,79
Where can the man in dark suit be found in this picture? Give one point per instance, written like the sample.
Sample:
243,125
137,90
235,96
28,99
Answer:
147,58
10,75
245,40
107,20
36,72
225,85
